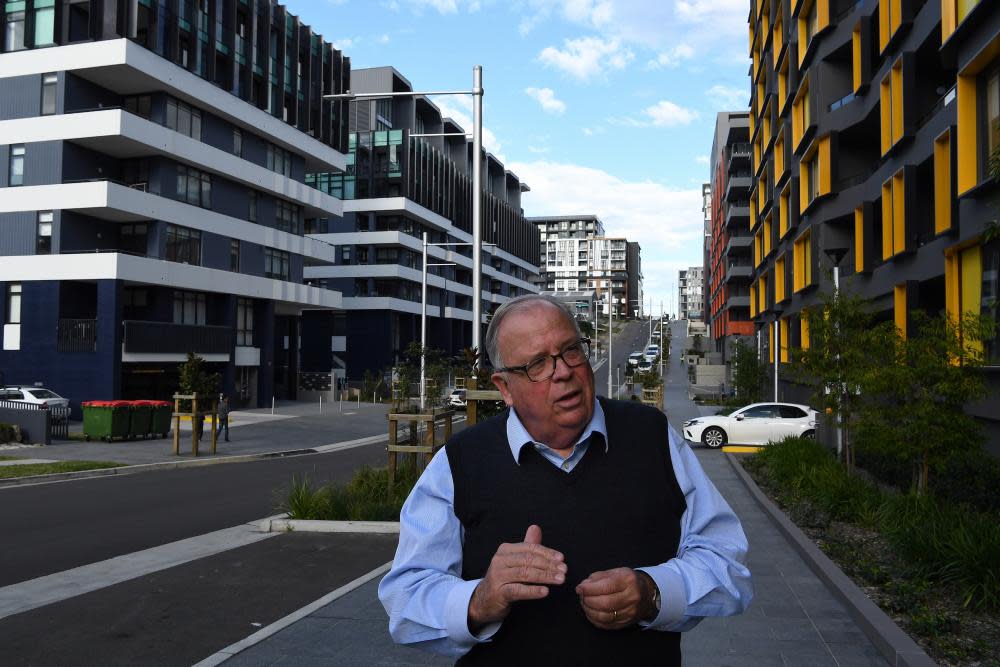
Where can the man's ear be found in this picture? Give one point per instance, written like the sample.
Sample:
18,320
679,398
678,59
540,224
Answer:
501,384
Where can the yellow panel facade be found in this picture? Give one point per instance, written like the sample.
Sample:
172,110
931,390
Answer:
783,211
779,279
800,113
856,56
942,183
899,308
767,235
968,146
804,330
887,219
885,112
859,240
897,102
824,166
784,339
898,213
971,268
779,156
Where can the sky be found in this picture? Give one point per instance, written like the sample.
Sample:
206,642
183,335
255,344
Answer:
602,107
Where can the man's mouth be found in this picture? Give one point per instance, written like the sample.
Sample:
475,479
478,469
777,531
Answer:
568,399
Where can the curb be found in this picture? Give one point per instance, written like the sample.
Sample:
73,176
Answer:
279,625
274,525
895,645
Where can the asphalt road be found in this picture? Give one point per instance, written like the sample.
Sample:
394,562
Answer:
633,337
53,527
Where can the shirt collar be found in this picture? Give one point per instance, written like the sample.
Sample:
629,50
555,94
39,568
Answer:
518,436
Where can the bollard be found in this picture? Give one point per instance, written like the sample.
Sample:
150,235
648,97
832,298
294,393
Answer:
321,402
272,405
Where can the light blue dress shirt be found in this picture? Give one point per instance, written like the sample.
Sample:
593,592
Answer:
428,601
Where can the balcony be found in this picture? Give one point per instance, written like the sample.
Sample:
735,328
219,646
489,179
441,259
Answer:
737,186
739,243
737,302
75,335
738,215
739,271
168,338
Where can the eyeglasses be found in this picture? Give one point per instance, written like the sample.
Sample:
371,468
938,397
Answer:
540,370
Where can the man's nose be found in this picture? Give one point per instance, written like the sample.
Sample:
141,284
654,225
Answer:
563,370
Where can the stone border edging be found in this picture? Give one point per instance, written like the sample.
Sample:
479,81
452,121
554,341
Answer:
274,525
896,646
279,625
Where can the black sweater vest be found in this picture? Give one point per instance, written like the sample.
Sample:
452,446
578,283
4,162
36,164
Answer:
616,508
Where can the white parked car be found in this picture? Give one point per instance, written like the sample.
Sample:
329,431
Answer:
35,395
457,399
635,358
652,352
756,424
645,366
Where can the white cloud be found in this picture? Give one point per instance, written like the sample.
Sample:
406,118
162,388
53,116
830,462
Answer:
591,131
538,150
673,57
449,110
547,99
587,57
702,159
383,39
346,43
728,97
666,222
662,114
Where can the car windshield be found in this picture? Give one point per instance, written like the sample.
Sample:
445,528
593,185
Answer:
42,393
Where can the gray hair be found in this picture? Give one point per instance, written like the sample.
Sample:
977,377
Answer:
523,302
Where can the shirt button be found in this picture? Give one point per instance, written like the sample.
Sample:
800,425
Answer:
565,465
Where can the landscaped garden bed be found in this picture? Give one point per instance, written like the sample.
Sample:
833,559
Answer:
931,564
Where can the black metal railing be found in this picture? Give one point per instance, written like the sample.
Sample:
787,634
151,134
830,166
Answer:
76,335
170,338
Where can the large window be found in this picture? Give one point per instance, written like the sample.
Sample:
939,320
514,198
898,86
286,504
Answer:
14,303
802,262
234,255
14,31
279,160
16,170
45,22
184,118
132,238
252,205
276,264
194,186
183,245
43,238
893,215
189,308
244,322
49,82
238,142
140,105
287,217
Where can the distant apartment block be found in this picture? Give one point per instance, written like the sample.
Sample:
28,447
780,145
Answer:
397,187
576,255
728,260
872,125
690,293
152,193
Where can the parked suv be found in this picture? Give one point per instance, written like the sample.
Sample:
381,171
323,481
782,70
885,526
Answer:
457,398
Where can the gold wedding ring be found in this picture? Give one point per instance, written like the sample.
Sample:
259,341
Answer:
614,615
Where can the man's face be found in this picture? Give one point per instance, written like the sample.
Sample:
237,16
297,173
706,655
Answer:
554,411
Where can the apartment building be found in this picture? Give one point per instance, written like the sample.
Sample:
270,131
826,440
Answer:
152,192
396,188
872,124
576,255
690,293
728,258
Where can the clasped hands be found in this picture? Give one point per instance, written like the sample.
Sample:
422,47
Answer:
611,599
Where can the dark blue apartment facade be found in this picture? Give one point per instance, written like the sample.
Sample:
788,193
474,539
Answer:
153,158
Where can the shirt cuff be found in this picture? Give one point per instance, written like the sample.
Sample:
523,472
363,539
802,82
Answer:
673,598
457,616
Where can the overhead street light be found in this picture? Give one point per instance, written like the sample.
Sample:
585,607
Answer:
477,183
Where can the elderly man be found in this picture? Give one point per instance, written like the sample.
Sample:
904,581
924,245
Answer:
568,530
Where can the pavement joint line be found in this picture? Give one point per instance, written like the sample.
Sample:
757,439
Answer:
897,647
279,625
59,586
283,524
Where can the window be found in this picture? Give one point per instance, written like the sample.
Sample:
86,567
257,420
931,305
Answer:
276,264
238,142
943,196
14,32
194,186
801,114
345,254
183,118
14,303
791,412
971,286
132,238
890,16
779,279
783,335
43,240
287,217
891,106
183,245
140,105
802,262
893,215
189,308
16,171
45,21
279,160
234,255
252,206
49,94
244,322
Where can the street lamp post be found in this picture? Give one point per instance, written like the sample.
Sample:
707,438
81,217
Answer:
836,255
477,181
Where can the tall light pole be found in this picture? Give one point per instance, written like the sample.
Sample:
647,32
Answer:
836,255
610,337
477,181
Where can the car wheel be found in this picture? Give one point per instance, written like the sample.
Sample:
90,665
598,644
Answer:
713,437
809,435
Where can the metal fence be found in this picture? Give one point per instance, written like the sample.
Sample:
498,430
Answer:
35,423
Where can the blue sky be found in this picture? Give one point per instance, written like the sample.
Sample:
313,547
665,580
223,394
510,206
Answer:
601,106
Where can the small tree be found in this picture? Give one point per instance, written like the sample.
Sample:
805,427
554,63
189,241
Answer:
586,328
839,358
914,404
749,374
193,379
436,367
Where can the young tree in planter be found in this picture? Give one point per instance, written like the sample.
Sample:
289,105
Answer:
436,367
840,356
749,374
194,380
914,404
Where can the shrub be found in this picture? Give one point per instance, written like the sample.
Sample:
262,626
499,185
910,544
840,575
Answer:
364,498
9,433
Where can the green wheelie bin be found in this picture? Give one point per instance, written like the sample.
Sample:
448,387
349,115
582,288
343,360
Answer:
162,414
140,419
105,420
